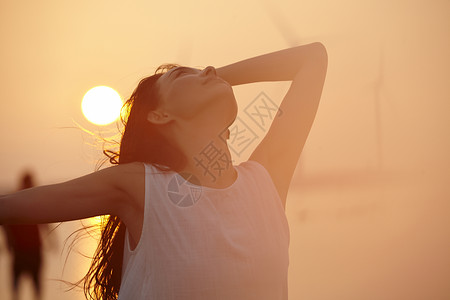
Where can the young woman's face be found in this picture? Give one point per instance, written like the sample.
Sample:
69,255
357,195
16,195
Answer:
188,93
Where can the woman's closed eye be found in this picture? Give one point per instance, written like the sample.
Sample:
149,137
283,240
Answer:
177,73
182,72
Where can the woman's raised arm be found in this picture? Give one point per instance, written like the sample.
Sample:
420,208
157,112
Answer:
306,67
103,192
281,65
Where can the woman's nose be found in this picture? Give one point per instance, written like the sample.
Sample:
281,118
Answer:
209,70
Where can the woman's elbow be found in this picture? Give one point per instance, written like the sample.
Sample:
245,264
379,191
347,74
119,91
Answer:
321,53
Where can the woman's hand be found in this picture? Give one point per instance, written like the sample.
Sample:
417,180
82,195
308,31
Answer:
281,65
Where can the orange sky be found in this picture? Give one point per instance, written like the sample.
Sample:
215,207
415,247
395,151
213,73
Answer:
52,53
387,55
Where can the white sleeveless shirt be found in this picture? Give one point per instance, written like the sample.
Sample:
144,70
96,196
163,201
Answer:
206,243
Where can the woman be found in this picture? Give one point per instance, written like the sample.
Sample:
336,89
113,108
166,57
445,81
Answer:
228,239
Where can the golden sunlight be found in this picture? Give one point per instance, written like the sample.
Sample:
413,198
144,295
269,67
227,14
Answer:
101,105
97,221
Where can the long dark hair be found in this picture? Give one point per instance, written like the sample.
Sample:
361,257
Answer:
141,142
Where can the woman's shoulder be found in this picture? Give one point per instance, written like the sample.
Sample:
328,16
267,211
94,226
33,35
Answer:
115,175
124,173
123,170
127,178
130,169
254,165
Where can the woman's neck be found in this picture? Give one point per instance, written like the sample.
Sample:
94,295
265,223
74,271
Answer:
209,160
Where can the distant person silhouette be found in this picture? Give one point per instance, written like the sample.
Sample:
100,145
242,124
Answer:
24,242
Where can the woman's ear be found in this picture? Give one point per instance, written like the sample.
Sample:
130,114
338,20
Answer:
158,117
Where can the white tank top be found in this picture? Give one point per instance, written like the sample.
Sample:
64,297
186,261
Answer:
206,243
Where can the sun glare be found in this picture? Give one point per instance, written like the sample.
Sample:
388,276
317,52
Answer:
101,105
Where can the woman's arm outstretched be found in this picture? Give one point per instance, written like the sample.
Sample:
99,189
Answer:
103,192
306,67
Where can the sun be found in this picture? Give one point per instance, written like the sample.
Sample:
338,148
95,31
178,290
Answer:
101,105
